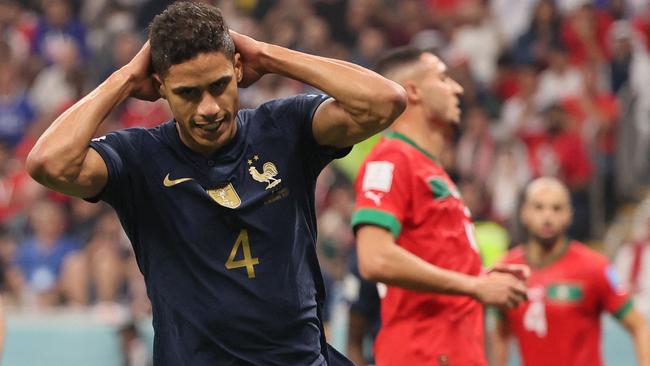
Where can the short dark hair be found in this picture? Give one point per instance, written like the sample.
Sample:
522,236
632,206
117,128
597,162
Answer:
397,57
184,30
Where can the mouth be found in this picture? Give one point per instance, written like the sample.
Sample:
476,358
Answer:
209,126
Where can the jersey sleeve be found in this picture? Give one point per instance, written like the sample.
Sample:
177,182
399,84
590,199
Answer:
613,297
119,150
295,115
382,192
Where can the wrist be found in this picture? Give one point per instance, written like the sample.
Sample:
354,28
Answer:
124,81
473,286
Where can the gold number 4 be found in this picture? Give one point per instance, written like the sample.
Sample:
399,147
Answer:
248,261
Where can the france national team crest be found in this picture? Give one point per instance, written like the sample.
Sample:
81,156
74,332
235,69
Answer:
225,196
267,175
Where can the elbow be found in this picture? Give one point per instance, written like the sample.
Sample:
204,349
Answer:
44,169
393,101
36,165
374,268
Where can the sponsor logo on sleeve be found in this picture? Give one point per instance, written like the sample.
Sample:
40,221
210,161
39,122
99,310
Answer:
378,176
614,280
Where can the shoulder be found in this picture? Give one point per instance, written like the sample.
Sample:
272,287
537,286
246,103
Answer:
285,107
389,149
137,137
581,254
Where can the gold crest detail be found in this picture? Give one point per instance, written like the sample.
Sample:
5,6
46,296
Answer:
225,196
269,171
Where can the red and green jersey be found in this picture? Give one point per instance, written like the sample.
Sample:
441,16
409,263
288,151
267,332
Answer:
559,325
404,189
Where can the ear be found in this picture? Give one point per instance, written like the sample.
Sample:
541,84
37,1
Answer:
239,67
158,84
413,93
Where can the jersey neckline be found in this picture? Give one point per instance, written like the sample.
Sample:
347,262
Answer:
550,261
400,136
229,152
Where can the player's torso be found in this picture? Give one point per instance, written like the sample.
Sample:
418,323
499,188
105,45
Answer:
440,329
562,314
220,256
438,227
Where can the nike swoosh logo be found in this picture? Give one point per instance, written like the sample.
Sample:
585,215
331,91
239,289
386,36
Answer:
172,182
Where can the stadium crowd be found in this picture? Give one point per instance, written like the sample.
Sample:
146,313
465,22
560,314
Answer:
559,88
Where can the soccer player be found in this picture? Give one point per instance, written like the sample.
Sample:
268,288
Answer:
569,287
219,202
414,233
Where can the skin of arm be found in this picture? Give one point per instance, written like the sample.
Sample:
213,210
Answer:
636,325
358,324
382,260
363,103
498,340
62,158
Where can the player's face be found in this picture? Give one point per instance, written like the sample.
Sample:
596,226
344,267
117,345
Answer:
440,93
202,94
547,213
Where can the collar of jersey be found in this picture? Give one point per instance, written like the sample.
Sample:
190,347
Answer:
227,153
551,260
399,136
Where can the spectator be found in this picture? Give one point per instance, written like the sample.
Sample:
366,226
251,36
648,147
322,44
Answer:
559,81
562,153
542,35
584,34
50,263
476,147
55,28
64,75
479,40
16,112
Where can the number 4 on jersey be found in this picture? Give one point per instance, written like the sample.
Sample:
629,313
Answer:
248,261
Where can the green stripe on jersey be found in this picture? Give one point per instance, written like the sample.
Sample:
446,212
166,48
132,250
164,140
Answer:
439,187
622,312
377,217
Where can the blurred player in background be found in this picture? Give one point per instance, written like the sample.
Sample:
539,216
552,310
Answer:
363,315
569,287
219,202
415,234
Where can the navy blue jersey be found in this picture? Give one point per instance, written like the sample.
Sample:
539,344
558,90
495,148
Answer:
226,243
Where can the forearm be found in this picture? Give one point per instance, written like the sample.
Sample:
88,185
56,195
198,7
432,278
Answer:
395,266
369,98
498,344
60,152
642,346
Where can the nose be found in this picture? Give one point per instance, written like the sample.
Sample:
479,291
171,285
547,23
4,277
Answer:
458,89
208,107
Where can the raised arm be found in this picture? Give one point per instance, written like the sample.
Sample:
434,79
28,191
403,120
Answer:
636,325
382,260
62,158
363,103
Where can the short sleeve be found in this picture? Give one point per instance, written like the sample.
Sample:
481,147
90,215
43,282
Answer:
382,192
613,297
119,151
296,114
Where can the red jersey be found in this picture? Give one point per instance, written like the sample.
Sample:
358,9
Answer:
559,325
404,189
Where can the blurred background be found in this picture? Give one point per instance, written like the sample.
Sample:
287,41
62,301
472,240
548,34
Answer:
557,88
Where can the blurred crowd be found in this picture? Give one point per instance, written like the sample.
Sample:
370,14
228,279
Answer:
556,88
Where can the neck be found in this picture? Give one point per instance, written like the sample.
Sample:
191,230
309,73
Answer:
428,136
541,254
